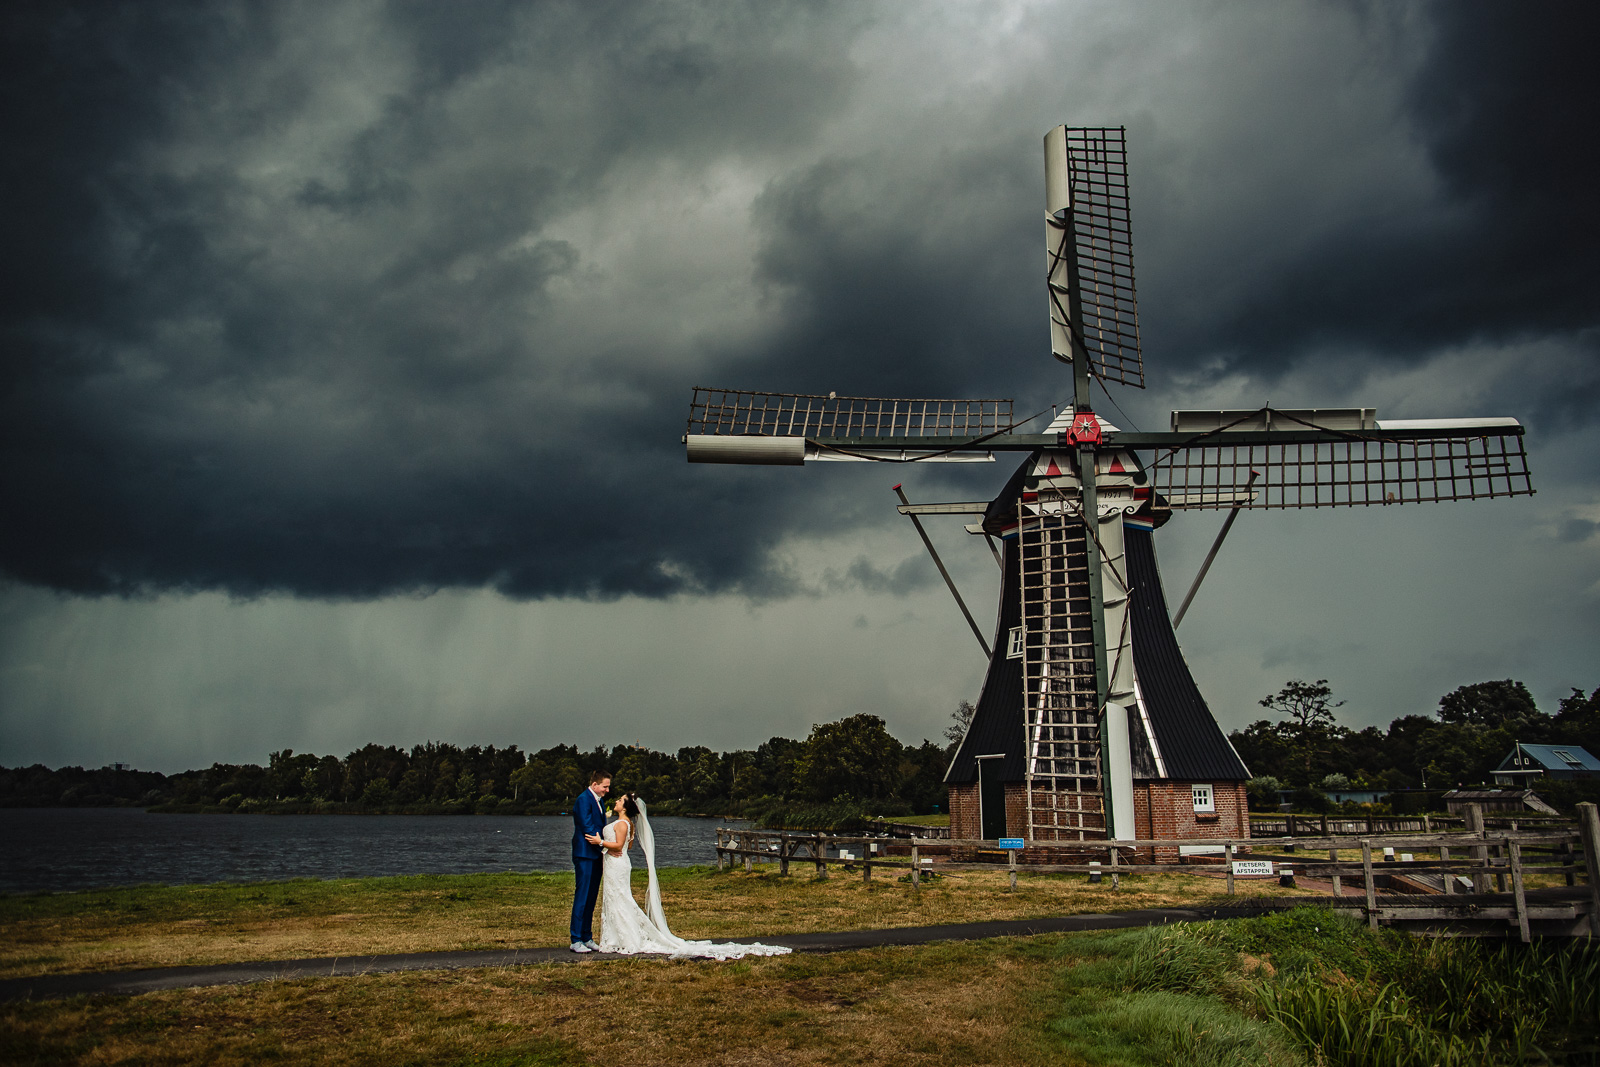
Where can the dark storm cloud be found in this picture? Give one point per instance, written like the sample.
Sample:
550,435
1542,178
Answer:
1508,248
326,299
334,384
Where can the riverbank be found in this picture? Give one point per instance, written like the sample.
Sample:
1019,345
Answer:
165,926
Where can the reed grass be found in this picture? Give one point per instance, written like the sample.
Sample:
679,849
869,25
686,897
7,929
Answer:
1353,997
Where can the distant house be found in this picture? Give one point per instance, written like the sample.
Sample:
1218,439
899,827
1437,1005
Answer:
1527,762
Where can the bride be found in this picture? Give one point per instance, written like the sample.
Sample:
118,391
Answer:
625,928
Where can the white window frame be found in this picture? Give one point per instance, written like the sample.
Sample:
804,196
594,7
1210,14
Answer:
1204,798
1014,643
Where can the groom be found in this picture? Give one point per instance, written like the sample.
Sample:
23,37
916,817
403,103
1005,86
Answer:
588,817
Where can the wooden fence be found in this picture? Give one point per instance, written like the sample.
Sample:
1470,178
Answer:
1482,856
1267,826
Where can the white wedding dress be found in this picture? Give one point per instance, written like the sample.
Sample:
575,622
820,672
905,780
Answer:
625,928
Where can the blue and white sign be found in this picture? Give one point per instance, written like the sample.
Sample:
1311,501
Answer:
1012,842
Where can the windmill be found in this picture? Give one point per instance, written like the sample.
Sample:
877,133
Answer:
1089,724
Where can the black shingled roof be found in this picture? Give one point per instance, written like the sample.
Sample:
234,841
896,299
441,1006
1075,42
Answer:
1192,745
997,723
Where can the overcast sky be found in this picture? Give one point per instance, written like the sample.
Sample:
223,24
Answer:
347,348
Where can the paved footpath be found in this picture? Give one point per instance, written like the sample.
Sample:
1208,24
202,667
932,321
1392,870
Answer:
160,978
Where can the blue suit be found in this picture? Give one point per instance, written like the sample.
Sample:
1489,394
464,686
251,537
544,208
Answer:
587,818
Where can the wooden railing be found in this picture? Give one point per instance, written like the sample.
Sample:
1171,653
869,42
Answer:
1294,825
1485,855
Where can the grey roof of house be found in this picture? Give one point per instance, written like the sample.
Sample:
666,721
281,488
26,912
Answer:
1546,757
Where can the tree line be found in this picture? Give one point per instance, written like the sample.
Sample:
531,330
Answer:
1474,727
854,761
842,771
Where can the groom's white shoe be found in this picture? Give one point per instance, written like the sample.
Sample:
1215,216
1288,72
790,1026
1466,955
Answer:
579,946
591,946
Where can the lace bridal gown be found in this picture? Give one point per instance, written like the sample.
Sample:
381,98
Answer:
625,928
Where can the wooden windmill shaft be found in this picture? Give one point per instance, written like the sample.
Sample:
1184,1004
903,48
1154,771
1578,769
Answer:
1080,509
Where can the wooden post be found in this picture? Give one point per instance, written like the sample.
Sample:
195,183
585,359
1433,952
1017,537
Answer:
783,855
1427,823
1333,856
749,860
1449,876
819,852
866,861
1227,861
1324,824
1372,892
1116,879
1568,860
1515,851
721,838
1011,859
1479,852
916,866
1589,829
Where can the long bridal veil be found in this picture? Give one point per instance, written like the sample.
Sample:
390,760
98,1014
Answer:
647,844
627,929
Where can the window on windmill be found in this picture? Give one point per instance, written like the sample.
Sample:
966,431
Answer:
1204,800
1014,643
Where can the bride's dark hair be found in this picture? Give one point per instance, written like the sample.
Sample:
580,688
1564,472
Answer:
629,806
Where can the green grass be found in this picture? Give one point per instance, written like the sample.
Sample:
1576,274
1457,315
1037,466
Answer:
1295,989
163,926
1291,988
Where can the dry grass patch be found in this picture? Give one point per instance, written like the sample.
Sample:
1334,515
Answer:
156,926
977,1003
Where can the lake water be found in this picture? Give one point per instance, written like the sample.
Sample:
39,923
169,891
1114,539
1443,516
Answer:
88,848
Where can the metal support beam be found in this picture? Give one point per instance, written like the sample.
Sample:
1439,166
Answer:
1227,525
937,562
1139,441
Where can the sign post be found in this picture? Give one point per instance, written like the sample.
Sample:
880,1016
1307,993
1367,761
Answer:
1012,845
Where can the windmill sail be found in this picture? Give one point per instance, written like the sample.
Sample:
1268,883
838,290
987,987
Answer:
738,411
1089,238
740,426
1338,458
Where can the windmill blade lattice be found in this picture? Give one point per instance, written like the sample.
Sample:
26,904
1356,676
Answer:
1091,261
1349,472
722,412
